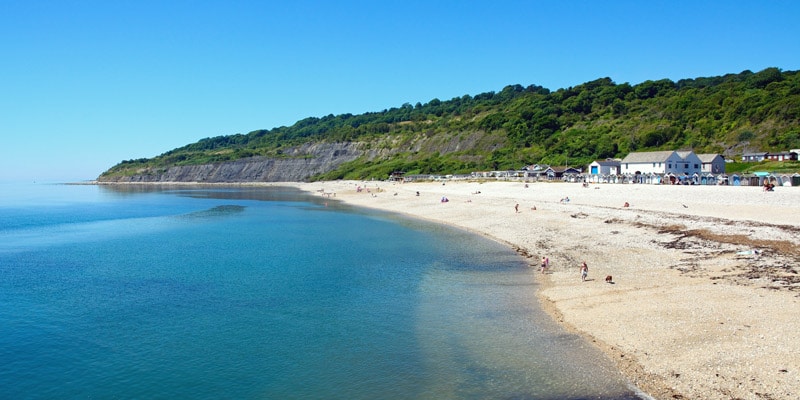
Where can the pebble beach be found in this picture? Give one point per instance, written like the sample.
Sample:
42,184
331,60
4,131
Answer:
703,291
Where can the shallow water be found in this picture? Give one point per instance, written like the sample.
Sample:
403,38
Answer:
164,292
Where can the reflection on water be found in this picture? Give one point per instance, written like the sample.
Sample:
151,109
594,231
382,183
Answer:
233,192
218,211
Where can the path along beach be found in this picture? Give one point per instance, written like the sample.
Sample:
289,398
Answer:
705,293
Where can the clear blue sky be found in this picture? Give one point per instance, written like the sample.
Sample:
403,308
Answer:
87,84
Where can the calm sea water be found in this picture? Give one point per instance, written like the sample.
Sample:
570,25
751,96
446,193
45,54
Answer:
266,293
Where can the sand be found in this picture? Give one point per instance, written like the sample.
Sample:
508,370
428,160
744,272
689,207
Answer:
691,312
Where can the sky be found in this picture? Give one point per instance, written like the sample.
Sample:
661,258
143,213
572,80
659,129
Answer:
87,84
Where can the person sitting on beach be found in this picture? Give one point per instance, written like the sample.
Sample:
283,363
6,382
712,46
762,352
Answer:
626,205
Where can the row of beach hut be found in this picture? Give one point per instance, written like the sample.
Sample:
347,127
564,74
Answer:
756,179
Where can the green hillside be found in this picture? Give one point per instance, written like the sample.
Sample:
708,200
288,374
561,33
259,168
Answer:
729,114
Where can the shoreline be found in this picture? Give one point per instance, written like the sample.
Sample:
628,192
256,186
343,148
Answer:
687,316
692,311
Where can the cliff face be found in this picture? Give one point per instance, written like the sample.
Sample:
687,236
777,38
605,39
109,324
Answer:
299,164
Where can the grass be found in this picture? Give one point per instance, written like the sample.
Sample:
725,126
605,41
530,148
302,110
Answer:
767,166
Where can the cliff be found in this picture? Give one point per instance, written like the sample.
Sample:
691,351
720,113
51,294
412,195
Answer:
297,164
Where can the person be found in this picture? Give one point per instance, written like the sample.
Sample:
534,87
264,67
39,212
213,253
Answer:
584,271
516,207
544,264
626,205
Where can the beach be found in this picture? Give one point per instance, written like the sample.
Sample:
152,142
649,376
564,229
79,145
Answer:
704,290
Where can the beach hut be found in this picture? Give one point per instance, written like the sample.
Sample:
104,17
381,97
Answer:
752,180
655,179
794,179
735,180
772,179
759,178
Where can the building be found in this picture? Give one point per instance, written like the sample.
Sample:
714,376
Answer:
606,167
754,157
712,163
560,172
790,155
661,162
782,156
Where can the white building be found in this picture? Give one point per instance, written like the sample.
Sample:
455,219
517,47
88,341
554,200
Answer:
606,167
661,162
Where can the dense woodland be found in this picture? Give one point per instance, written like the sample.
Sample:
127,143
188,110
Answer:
730,115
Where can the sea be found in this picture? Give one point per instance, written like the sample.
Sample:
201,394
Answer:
241,292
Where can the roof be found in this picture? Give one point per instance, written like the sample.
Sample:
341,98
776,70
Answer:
648,156
608,163
706,158
564,169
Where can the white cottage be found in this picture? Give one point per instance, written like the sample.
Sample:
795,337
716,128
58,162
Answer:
661,162
606,167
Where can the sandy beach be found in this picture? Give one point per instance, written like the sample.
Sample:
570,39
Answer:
692,311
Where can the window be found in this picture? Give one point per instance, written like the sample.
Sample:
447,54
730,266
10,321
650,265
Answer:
669,165
695,166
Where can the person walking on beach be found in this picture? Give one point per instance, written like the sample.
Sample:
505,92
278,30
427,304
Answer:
545,263
584,271
516,207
